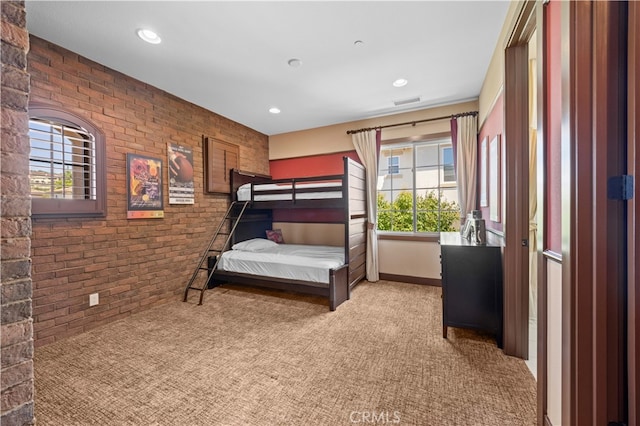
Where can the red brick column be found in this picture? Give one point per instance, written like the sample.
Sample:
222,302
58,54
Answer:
15,232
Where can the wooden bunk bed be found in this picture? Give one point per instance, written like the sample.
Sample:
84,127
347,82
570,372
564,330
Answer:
341,199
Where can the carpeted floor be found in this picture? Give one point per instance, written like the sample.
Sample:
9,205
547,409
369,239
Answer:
249,357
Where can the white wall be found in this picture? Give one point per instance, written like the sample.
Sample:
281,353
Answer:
409,258
330,139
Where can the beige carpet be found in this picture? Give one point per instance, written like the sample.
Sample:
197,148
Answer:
268,358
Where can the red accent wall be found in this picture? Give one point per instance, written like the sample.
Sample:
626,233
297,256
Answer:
492,126
553,63
313,165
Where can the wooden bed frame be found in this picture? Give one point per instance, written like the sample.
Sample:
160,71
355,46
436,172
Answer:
350,210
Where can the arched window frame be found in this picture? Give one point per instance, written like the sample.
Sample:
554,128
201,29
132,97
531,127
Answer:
63,208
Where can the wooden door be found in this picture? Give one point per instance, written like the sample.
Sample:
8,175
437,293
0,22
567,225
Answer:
516,222
594,147
516,255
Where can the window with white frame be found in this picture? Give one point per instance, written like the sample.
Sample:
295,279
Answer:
66,165
419,193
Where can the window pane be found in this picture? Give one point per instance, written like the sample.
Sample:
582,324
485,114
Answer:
402,214
449,198
401,181
62,162
427,177
427,204
389,158
402,200
402,221
427,221
426,155
384,210
450,210
449,220
427,199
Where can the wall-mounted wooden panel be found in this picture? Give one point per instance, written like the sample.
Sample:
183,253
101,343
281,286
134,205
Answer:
219,158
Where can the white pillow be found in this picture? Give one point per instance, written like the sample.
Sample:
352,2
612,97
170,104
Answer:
255,244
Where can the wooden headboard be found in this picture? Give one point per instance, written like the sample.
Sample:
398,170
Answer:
253,224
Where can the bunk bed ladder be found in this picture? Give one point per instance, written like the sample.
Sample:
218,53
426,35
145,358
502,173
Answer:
202,263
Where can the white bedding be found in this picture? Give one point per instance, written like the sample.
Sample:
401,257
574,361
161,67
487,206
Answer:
291,261
244,192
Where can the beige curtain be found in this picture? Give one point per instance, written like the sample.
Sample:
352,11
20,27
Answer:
533,193
466,163
366,147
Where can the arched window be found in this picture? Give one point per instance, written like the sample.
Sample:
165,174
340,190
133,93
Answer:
66,164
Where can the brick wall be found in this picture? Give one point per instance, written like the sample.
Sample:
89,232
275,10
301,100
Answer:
15,281
133,264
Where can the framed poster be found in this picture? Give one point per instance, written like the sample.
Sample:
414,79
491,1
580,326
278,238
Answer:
494,179
144,187
484,202
180,167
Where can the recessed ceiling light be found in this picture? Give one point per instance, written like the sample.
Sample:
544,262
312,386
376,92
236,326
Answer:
358,43
294,63
400,82
274,110
149,36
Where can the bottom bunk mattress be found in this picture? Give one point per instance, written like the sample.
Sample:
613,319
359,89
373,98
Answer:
262,257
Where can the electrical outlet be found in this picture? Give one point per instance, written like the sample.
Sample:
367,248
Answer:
94,299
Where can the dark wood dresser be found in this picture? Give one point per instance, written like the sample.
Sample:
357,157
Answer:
471,285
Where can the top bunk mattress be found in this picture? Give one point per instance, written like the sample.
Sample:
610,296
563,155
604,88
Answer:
290,261
285,191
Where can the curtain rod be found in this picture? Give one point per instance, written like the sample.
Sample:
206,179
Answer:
413,123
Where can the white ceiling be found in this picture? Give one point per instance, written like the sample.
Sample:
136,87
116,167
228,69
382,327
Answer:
231,57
